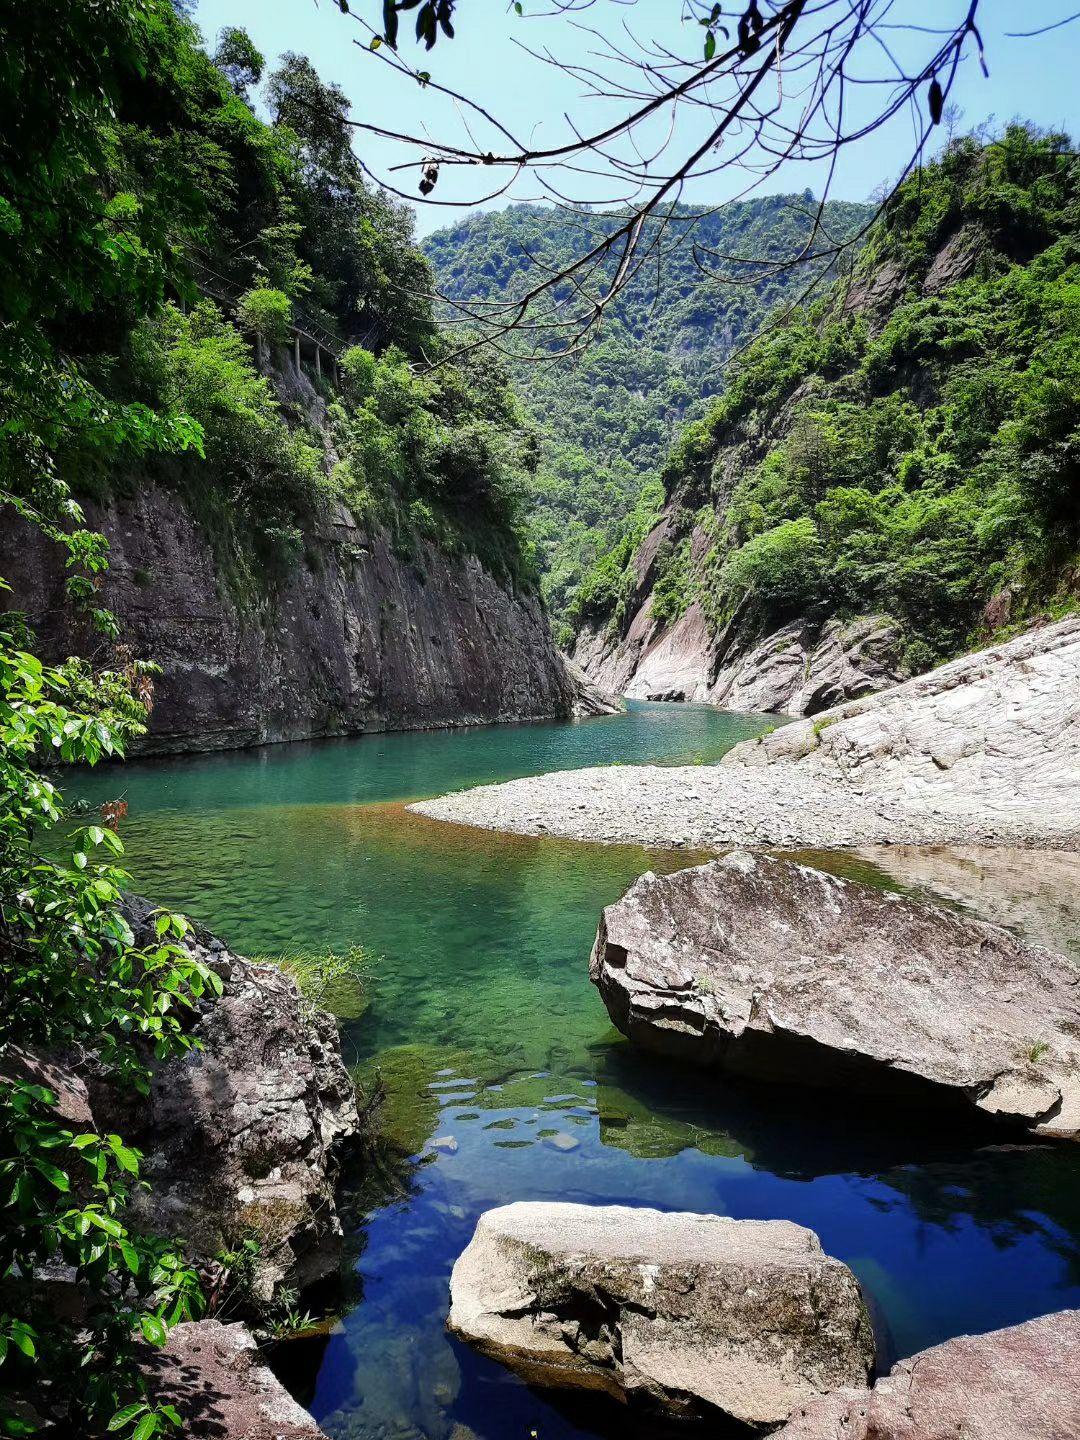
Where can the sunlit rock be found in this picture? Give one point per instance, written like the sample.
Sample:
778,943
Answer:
780,972
1022,1383
695,1315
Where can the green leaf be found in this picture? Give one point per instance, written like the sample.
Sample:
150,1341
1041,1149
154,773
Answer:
153,1329
126,1414
21,1339
52,1173
107,1223
131,1256
146,1427
126,1159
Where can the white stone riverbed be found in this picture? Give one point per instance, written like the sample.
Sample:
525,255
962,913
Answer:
982,751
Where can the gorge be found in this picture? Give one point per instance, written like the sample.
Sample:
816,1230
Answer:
413,660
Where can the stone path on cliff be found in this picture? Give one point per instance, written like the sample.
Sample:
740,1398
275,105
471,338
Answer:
984,750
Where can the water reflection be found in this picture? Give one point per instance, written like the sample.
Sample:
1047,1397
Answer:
504,1080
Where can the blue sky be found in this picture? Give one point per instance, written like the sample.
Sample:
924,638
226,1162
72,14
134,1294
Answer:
1034,78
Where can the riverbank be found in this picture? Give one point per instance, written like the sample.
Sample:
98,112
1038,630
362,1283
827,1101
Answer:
982,751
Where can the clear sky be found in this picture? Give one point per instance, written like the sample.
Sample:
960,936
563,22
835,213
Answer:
1037,79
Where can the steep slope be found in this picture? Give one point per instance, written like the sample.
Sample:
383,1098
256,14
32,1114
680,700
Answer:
353,637
607,418
892,475
307,533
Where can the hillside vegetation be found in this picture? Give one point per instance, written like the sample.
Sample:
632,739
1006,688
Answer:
607,418
112,234
908,444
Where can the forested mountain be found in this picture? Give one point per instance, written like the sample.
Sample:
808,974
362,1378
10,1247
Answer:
214,343
908,445
115,235
608,416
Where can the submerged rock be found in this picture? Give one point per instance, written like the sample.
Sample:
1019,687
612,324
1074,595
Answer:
692,1314
240,1137
776,971
213,1374
1022,1383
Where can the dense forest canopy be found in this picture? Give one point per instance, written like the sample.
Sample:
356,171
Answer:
608,416
910,442
178,194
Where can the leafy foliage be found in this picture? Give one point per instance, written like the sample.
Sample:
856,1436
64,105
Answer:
917,460
607,417
72,981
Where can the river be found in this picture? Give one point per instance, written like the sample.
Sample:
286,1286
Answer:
492,1044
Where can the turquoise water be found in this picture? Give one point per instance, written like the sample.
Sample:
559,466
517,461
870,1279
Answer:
493,1045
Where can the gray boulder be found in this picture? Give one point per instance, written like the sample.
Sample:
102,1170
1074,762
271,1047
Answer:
695,1315
1022,1383
241,1137
776,971
214,1376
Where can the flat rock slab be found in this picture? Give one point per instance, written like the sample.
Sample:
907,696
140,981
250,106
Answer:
215,1377
695,1315
776,971
1022,1383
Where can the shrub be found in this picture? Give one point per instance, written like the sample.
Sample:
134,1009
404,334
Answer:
266,313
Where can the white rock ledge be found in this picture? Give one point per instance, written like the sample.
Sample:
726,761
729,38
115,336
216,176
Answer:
984,750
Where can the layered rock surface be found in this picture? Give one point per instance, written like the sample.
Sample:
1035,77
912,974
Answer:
801,669
240,1137
1021,1383
693,1314
214,1376
351,637
777,971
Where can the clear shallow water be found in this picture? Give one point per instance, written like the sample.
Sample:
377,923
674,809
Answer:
492,1043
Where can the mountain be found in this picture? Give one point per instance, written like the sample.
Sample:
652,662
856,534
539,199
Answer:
891,474
212,329
607,418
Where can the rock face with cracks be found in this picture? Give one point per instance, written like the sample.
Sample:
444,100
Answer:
1022,1383
241,1136
776,971
695,1315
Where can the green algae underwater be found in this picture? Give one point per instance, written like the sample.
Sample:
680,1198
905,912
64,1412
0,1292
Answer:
506,1081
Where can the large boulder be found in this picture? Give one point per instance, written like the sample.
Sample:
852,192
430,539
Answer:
214,1376
692,1314
241,1136
773,970
1022,1383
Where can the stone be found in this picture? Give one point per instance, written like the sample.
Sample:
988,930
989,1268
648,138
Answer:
694,1315
214,1376
356,639
1021,1383
776,971
243,1135
590,699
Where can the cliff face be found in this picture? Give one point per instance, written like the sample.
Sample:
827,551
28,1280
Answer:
351,638
799,669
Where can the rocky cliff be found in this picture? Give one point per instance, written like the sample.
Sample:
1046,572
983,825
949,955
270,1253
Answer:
351,637
802,668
